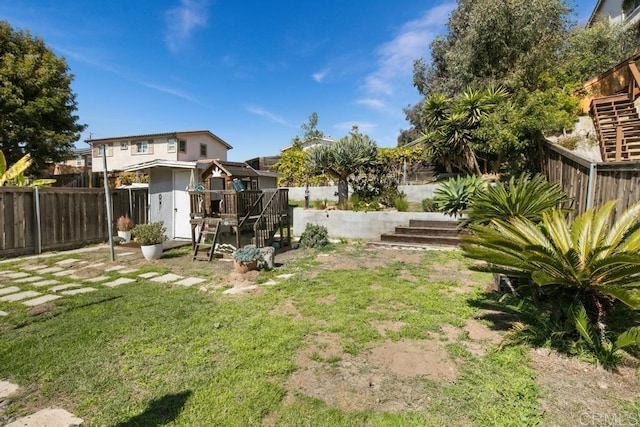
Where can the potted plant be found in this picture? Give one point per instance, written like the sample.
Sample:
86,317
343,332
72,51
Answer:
125,225
246,259
150,237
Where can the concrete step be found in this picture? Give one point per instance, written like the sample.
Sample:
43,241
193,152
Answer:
422,240
433,224
426,231
412,246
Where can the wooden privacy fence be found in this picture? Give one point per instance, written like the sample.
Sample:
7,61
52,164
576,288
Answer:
33,220
593,184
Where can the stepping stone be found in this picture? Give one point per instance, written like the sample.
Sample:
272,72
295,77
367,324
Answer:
3,313
126,254
20,296
166,278
94,265
149,275
34,267
50,270
66,262
18,275
118,282
45,283
78,291
285,276
40,300
115,268
98,279
7,389
82,262
5,272
270,282
128,271
63,287
28,279
64,273
9,290
190,281
239,291
48,417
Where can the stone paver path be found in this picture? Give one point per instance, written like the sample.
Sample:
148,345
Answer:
118,282
20,296
40,300
9,290
49,289
166,278
45,283
49,417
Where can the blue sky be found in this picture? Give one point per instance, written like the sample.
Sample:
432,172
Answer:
249,71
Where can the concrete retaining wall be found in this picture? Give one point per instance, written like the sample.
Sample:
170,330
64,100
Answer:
358,225
415,193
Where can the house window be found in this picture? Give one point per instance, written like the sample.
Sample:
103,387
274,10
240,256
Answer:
142,147
100,150
78,160
203,150
89,161
171,145
182,146
124,145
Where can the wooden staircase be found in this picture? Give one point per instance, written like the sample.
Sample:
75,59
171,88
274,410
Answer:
618,127
273,218
421,234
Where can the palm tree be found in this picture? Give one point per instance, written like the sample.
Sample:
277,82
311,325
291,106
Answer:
342,158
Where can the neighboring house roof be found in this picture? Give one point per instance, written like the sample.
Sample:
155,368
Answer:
306,145
161,163
176,134
81,152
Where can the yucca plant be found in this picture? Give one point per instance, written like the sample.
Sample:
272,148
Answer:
522,197
454,195
589,263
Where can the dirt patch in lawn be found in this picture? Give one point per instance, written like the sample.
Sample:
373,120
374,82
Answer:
579,393
386,376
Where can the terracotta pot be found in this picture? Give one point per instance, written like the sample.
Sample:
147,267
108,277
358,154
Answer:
244,267
152,251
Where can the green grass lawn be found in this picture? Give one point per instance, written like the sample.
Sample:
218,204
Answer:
155,354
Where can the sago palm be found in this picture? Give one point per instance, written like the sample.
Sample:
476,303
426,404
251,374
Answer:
588,263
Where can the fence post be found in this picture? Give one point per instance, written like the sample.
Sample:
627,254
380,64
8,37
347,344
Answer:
38,239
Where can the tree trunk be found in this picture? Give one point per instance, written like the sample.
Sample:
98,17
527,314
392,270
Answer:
343,192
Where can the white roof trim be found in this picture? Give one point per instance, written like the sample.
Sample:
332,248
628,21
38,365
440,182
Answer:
159,163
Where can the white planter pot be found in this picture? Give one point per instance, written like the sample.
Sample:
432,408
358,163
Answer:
152,251
125,236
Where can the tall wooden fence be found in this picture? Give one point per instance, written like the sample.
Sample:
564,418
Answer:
593,184
33,220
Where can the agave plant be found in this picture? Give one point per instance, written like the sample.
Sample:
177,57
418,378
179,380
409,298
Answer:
524,197
454,195
589,263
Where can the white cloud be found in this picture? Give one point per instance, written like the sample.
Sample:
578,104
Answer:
376,104
268,115
320,75
395,58
183,20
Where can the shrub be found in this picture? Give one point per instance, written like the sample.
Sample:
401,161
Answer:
524,197
150,234
401,204
314,236
125,223
247,255
454,195
429,205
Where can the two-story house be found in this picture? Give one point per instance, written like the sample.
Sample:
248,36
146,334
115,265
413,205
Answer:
626,12
126,151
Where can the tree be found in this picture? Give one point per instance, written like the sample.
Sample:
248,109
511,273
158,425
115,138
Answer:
36,102
342,159
292,165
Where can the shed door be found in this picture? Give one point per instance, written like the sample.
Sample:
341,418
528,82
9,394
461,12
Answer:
181,204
